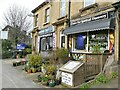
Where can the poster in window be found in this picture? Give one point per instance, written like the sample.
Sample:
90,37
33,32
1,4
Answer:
80,42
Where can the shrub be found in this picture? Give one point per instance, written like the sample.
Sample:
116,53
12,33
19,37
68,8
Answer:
34,60
28,51
6,54
61,53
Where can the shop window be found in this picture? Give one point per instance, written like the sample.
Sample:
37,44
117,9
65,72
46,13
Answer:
47,15
46,43
99,38
62,8
88,2
80,41
36,20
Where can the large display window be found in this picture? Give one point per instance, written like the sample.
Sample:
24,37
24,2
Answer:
100,39
89,41
79,41
46,43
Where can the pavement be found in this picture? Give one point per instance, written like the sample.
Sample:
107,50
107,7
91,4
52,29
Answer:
15,77
112,84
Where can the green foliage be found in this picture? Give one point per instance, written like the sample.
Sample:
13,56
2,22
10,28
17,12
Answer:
35,60
96,49
61,53
51,69
101,78
28,50
44,78
6,44
114,74
6,54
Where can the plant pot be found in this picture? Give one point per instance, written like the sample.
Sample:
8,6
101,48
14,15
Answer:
22,62
33,70
51,84
57,82
29,70
14,64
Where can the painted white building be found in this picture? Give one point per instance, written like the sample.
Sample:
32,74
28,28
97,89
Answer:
3,34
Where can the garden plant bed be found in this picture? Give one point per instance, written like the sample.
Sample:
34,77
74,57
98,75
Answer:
18,63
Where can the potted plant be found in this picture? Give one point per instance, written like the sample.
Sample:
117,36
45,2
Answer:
14,63
57,81
51,83
33,70
29,69
38,69
44,80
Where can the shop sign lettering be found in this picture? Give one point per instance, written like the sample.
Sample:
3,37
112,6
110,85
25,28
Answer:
67,78
102,16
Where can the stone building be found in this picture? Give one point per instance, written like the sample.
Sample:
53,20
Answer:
50,20
92,23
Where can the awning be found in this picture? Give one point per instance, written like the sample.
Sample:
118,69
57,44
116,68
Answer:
91,26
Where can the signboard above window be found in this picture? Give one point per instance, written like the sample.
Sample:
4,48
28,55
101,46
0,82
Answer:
93,18
47,30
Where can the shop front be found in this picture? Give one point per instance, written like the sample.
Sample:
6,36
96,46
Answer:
93,34
46,39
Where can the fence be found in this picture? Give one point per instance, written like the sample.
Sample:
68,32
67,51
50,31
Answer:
94,64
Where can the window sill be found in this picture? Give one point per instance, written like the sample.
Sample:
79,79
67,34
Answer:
46,23
80,51
62,17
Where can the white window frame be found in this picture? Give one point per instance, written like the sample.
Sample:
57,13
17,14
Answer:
61,35
93,1
47,15
62,8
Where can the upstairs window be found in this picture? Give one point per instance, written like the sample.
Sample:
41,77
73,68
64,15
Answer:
88,2
36,20
47,15
62,8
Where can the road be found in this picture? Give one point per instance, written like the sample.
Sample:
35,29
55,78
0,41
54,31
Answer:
15,78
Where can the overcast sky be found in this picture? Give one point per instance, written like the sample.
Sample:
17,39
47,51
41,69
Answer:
30,4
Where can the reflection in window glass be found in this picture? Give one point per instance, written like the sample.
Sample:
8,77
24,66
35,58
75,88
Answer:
46,43
62,8
88,2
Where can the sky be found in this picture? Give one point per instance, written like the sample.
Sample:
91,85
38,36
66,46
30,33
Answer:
29,4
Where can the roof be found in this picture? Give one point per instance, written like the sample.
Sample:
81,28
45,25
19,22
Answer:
5,28
40,6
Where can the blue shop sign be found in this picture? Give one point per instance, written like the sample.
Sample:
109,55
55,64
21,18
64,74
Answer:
20,46
47,30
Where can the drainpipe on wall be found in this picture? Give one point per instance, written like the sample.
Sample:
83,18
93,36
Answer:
69,9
